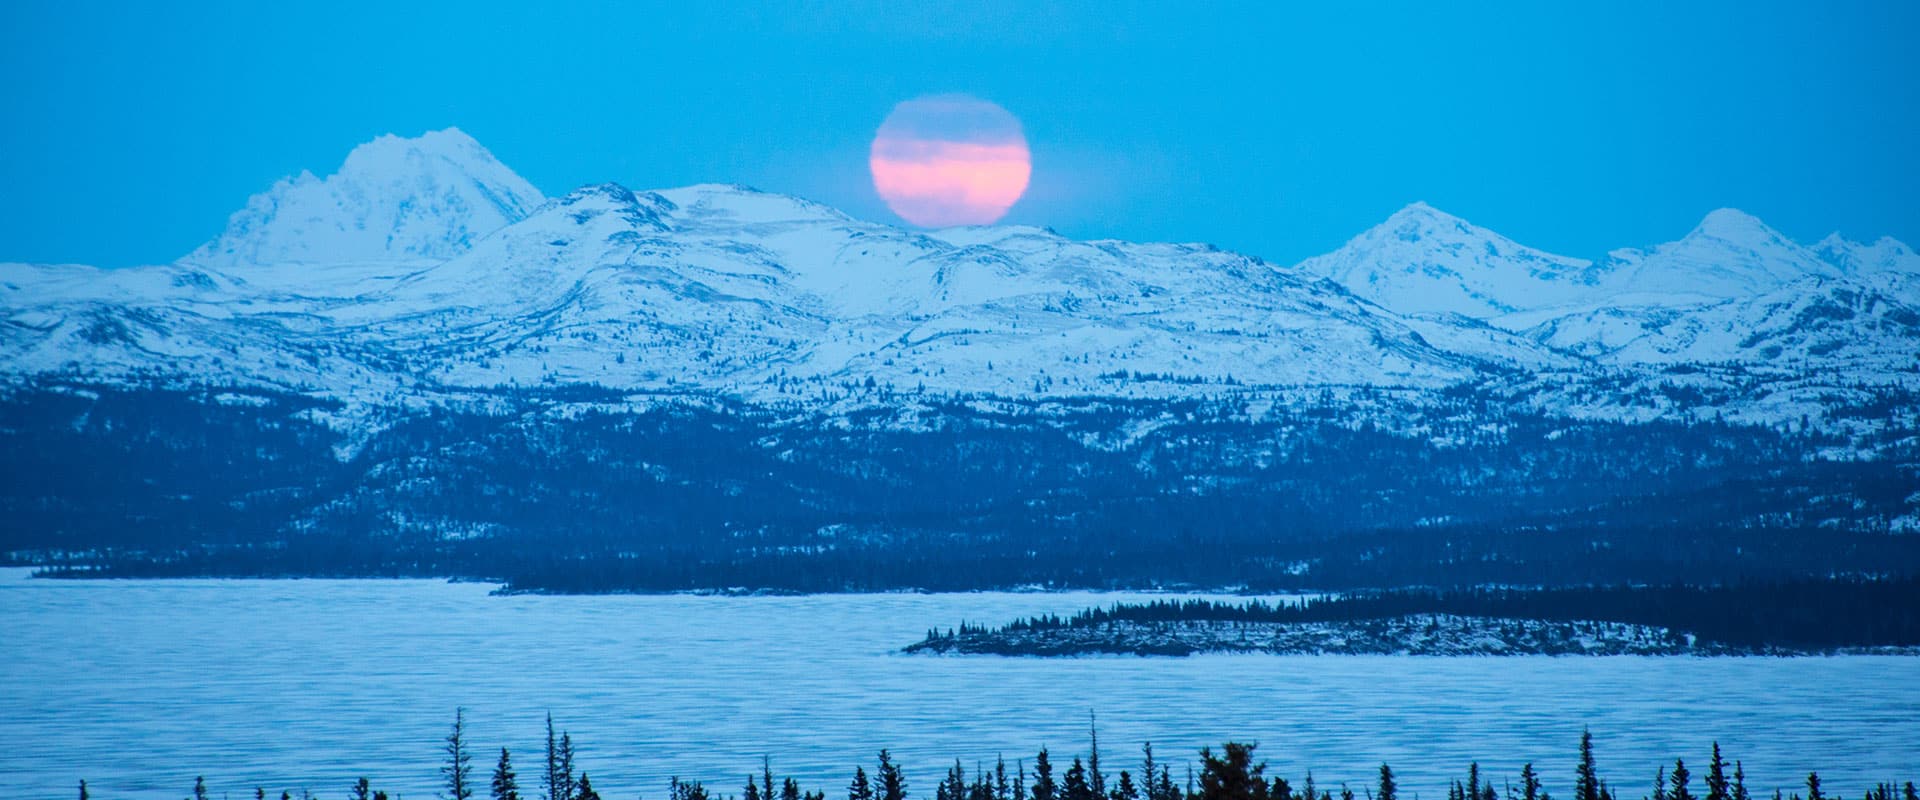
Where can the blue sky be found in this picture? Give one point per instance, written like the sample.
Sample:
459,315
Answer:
133,129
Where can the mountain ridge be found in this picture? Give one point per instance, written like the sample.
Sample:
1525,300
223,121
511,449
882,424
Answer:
424,264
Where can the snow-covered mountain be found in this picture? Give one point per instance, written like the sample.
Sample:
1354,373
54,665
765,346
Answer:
424,265
1424,261
393,200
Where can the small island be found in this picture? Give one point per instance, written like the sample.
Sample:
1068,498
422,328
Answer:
1811,617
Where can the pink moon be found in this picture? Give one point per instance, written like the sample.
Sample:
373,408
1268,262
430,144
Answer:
949,160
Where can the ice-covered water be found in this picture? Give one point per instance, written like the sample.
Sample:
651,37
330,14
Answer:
140,686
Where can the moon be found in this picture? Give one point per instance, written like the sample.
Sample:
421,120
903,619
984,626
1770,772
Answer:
950,159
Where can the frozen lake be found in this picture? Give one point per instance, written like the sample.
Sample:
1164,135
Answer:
140,686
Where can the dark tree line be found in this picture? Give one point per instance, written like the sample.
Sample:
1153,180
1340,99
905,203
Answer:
1806,614
1232,773
1464,490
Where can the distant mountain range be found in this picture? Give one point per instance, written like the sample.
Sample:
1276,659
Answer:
425,265
356,351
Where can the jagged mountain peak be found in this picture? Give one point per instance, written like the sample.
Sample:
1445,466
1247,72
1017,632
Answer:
394,199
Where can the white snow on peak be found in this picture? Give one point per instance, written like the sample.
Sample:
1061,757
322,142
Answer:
1886,255
424,265
1729,254
1424,261
394,199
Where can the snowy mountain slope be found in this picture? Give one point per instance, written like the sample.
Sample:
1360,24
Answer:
393,199
1804,323
1730,254
425,266
1885,257
1423,260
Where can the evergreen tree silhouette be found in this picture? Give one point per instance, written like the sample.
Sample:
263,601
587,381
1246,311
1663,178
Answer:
1813,787
506,785
563,767
585,791
551,780
860,789
1587,782
1529,782
1678,780
1717,788
1043,787
1232,776
1126,790
1076,787
1148,772
361,790
459,762
200,788
893,785
1388,789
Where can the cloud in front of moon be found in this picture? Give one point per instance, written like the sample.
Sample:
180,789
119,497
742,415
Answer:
950,160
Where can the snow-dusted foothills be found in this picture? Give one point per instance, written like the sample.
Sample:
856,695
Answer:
424,268
421,365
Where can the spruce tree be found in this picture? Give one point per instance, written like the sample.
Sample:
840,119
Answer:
752,792
563,767
1233,776
1587,783
200,788
1679,780
1076,786
1529,783
505,786
893,785
1043,788
1147,770
1813,787
1740,782
953,786
83,789
459,762
360,790
860,789
1660,784
1388,789
1126,790
1717,777
1001,789
551,781
585,790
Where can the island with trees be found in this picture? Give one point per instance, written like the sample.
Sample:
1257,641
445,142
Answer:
1836,615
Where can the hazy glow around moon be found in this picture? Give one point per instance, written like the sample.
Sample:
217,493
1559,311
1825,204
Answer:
950,160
